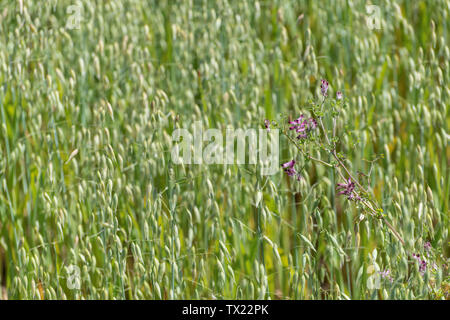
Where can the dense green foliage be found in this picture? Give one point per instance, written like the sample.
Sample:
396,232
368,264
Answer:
86,177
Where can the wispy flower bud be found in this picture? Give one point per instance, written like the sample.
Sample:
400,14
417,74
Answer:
422,263
347,189
267,124
324,87
289,169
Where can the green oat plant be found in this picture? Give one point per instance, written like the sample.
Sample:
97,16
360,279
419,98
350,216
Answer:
93,207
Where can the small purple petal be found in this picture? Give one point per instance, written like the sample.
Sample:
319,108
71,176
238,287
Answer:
324,87
267,124
289,164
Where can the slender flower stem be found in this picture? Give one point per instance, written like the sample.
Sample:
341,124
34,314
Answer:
333,152
306,155
370,204
348,172
321,161
394,231
334,127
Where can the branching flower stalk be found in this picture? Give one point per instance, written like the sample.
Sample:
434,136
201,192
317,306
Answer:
308,136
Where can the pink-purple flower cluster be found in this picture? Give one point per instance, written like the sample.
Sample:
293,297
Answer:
347,189
303,126
324,87
422,263
289,169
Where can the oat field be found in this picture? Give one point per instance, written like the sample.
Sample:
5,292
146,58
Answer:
93,206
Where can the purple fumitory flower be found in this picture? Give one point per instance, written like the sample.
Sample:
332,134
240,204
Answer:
297,122
289,168
290,171
422,263
303,126
267,124
324,87
339,95
422,267
347,189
